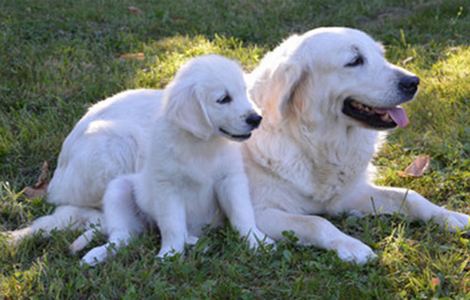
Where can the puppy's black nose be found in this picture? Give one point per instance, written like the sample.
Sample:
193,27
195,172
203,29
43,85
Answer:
409,84
254,120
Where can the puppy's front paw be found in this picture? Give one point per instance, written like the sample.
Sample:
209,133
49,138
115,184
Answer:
452,220
167,252
96,255
352,250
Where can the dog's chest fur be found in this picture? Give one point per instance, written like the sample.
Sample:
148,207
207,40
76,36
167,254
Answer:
331,168
317,166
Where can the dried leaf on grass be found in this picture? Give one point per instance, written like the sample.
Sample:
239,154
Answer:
435,282
417,167
134,10
40,187
132,56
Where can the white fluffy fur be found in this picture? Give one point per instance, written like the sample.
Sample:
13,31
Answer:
192,175
307,158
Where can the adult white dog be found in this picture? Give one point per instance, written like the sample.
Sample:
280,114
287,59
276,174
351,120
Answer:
324,95
192,171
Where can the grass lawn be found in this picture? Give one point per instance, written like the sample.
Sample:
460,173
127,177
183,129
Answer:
59,57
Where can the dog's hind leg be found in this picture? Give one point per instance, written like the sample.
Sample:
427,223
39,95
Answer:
122,220
63,217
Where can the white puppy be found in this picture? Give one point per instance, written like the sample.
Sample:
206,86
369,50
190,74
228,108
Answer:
324,96
193,174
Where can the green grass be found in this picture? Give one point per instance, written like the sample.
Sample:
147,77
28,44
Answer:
59,57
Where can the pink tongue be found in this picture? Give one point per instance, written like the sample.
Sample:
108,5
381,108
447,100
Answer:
398,115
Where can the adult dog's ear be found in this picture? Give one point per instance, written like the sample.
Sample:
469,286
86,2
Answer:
185,107
281,87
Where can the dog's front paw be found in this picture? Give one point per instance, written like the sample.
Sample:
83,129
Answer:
96,255
452,220
256,237
352,250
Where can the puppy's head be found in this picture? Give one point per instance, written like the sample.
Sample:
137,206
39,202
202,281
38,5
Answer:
208,98
335,74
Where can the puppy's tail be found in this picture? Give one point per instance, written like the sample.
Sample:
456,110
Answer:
63,217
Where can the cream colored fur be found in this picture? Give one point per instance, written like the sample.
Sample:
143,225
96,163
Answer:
307,158
193,175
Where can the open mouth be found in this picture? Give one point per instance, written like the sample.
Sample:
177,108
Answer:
239,137
375,117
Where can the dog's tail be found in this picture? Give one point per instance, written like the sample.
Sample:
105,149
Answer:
63,217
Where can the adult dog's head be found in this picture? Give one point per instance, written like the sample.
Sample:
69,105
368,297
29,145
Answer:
208,97
333,75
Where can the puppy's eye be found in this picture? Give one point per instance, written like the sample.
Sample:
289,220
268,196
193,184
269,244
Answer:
357,61
225,99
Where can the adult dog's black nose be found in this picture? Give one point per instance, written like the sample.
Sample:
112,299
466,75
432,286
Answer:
254,120
408,85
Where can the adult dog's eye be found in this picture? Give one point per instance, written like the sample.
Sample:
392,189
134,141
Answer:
358,61
225,99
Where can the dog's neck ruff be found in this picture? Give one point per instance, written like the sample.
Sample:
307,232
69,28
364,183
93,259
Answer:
318,162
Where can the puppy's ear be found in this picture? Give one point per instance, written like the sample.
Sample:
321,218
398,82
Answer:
284,82
185,107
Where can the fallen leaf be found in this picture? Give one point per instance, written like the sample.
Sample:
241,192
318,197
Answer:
40,187
417,167
132,56
435,281
134,10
